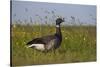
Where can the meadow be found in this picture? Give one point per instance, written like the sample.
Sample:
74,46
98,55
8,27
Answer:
78,45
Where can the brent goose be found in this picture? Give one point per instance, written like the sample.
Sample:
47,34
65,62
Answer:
49,42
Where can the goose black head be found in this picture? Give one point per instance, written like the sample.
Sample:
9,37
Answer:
59,21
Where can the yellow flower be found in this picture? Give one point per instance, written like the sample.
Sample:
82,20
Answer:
66,38
84,38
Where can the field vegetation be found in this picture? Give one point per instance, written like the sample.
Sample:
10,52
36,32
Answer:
78,45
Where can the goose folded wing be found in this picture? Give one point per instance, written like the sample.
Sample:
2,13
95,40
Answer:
36,41
42,40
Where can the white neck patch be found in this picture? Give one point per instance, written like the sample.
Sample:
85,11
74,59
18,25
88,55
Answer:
57,26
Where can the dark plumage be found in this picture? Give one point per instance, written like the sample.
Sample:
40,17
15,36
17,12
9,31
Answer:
48,42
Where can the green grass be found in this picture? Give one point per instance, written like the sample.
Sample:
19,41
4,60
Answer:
78,45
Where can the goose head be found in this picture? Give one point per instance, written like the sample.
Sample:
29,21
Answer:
59,21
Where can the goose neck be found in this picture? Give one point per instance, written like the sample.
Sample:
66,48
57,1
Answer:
58,30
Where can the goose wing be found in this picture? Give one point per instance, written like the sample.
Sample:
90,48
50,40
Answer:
42,40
